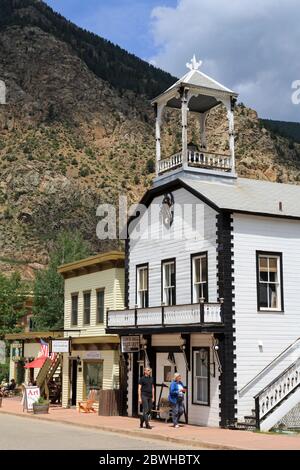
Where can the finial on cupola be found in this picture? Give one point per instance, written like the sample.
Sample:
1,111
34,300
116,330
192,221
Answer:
194,65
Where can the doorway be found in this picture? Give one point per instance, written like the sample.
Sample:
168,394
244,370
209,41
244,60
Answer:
73,382
166,366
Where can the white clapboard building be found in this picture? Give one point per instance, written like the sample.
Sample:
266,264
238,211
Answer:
212,277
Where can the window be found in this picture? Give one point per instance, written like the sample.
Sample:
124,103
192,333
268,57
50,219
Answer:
269,281
168,279
199,278
100,306
142,300
86,308
74,309
201,376
93,376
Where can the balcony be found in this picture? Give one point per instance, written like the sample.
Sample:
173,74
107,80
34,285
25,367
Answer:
197,159
204,315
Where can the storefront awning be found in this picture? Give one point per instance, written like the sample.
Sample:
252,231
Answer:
37,363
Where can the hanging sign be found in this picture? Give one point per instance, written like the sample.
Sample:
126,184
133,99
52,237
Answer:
31,395
60,346
130,344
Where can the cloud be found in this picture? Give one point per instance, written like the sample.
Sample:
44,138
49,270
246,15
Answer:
251,46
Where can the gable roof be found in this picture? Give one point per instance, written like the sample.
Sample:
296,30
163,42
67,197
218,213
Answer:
251,196
242,195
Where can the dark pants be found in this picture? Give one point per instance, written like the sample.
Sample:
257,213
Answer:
147,407
177,411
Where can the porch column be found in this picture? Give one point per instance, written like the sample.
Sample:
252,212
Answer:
184,113
230,117
202,121
158,116
65,394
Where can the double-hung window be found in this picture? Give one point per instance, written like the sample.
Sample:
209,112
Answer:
199,277
269,281
142,286
100,306
74,309
87,308
201,376
168,282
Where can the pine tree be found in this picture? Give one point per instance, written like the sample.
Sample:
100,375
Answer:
48,306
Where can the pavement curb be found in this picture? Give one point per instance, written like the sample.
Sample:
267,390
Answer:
132,433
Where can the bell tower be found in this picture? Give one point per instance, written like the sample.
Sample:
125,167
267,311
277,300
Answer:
195,93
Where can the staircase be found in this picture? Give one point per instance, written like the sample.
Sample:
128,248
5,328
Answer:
276,401
49,370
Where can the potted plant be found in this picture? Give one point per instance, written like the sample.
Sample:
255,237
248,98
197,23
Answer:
41,406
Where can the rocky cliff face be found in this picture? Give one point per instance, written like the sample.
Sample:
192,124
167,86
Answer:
69,140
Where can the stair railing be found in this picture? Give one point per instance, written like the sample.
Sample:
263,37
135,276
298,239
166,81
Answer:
278,390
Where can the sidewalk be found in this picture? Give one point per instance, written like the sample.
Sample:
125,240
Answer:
210,438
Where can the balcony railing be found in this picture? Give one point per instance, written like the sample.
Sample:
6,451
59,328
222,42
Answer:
197,159
166,316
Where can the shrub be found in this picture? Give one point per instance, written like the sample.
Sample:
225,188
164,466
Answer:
150,166
84,171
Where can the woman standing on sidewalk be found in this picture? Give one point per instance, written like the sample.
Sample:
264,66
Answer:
176,398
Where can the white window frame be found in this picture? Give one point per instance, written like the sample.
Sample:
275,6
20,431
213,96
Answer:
202,282
142,295
168,287
278,284
204,378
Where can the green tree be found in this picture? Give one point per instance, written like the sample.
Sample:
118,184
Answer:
48,305
12,297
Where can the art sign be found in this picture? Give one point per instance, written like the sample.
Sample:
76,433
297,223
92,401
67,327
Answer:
31,395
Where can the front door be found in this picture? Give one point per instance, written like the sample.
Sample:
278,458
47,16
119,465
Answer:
73,382
166,366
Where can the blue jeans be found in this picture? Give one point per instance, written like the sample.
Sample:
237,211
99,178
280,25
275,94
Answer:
177,411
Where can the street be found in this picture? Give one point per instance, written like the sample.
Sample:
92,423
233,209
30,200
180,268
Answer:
31,434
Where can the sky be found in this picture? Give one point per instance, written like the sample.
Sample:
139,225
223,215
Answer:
251,46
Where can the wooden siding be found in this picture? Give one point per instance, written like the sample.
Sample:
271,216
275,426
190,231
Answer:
112,280
154,250
277,330
200,414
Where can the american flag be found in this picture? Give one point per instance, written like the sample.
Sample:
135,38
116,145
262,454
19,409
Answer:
44,350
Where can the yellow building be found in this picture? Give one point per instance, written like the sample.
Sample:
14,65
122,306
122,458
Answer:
92,286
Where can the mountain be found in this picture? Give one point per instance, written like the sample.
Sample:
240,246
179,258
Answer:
289,130
78,130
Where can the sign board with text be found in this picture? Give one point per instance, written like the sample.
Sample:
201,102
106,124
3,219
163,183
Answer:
60,346
92,355
31,395
130,344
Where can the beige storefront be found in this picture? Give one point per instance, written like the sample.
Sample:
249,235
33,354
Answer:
92,286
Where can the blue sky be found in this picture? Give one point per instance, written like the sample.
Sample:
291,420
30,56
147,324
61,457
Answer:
251,46
124,22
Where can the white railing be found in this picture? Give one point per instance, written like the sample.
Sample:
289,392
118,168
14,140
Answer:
212,313
164,316
209,160
199,159
170,162
181,314
277,390
121,318
149,316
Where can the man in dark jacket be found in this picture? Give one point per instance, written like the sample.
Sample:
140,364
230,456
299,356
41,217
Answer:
146,396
